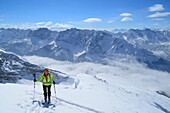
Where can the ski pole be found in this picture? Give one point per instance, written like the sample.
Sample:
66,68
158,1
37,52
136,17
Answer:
55,91
34,85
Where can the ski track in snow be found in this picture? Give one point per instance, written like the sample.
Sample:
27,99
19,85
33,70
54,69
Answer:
77,105
36,105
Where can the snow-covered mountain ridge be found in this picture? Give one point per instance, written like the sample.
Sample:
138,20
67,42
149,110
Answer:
14,68
156,41
89,45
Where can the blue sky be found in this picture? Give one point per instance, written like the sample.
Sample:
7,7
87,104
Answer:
90,14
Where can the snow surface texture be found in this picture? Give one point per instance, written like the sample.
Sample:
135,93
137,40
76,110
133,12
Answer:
92,88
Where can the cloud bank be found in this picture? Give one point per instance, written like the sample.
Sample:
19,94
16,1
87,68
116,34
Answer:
134,72
49,25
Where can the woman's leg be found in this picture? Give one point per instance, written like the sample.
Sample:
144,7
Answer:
49,93
45,92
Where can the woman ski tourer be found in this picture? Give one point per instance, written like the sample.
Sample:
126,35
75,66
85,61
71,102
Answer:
46,77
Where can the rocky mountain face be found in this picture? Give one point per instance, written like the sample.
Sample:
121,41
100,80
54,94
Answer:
13,68
22,42
155,41
145,46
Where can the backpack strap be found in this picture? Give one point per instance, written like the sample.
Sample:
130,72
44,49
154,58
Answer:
50,75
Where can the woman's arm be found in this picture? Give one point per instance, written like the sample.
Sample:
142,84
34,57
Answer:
40,78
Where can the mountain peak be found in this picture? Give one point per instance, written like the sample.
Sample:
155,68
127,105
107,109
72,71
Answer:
43,29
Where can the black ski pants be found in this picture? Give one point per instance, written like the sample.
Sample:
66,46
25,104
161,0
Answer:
47,88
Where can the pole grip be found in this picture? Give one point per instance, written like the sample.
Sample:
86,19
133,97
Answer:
34,75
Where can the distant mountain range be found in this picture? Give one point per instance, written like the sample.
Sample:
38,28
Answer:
155,41
146,46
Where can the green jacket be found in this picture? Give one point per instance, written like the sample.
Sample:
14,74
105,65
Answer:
48,82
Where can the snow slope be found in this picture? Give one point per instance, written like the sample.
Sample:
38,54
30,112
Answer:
92,88
84,94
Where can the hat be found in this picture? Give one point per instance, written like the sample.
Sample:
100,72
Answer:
45,70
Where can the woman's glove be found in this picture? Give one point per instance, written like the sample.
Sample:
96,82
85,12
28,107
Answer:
34,80
53,82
